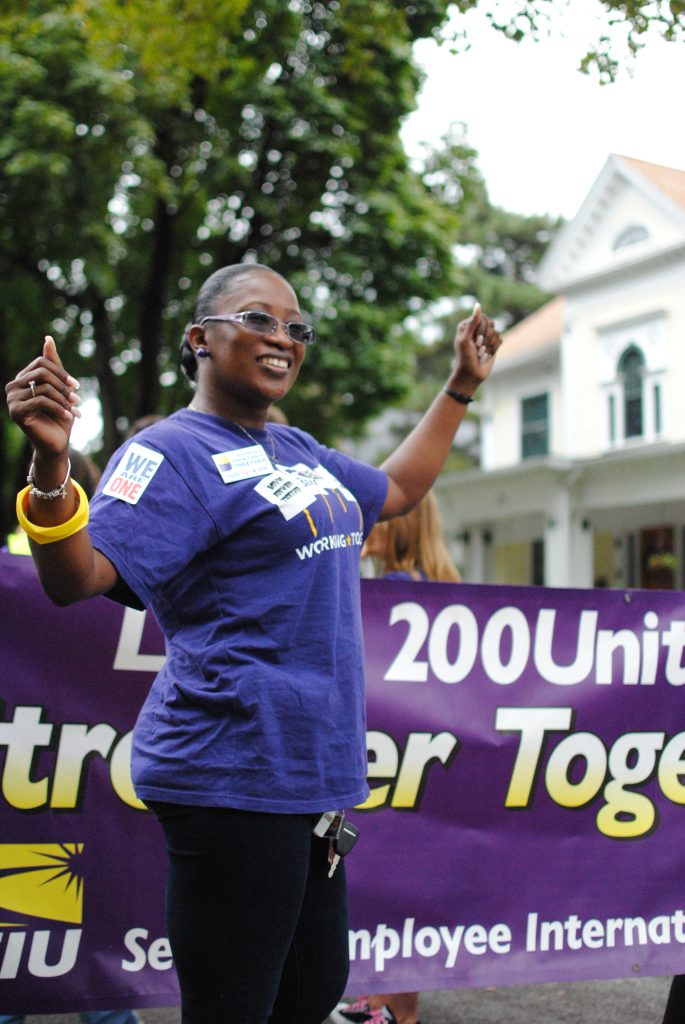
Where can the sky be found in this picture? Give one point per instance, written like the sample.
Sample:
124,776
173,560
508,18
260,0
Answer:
542,129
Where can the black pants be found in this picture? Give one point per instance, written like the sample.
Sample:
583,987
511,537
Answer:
257,928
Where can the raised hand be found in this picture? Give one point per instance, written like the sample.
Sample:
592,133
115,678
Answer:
475,344
42,400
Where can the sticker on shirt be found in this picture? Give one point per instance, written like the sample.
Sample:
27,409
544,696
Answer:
134,472
336,497
242,463
286,491
323,480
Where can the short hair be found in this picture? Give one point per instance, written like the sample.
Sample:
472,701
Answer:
141,423
216,285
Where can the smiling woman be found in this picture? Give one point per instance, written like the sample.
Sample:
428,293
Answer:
243,535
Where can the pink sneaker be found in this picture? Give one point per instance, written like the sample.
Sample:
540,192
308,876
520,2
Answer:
360,1012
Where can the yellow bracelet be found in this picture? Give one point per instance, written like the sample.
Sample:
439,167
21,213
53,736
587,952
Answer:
50,534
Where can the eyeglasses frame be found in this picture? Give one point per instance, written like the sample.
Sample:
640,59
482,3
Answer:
240,318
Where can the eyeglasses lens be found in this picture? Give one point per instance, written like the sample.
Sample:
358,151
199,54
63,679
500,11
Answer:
300,332
264,323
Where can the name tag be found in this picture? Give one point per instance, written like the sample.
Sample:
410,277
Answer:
242,463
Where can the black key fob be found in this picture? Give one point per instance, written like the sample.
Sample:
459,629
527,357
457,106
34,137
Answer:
345,839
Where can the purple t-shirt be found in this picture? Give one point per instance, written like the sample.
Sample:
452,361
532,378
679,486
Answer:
248,554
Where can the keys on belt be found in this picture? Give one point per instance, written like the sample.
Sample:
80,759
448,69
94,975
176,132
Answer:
341,835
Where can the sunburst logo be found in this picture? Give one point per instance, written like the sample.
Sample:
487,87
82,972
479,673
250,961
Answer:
42,880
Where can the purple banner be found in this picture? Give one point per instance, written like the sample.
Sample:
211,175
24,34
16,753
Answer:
527,768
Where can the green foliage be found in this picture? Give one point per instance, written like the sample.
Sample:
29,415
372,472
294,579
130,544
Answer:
504,251
497,257
144,145
501,251
627,21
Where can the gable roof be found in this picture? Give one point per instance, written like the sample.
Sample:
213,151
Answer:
667,179
661,188
541,331
538,333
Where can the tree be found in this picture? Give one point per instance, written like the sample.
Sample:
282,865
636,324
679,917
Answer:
144,145
496,261
274,135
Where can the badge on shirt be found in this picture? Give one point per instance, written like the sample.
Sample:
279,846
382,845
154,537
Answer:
242,463
134,472
286,491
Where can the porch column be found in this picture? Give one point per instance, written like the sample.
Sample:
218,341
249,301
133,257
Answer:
568,545
478,555
582,552
558,542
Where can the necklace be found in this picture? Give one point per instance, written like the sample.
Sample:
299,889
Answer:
254,439
247,433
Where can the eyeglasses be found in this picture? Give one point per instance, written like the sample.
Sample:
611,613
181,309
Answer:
264,323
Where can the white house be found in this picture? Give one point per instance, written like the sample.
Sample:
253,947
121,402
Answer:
582,478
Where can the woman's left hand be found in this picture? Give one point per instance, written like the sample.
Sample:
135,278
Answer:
475,345
414,466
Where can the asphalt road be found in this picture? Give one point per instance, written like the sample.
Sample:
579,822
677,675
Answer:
635,1001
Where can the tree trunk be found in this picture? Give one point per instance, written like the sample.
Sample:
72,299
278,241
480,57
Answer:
151,310
104,352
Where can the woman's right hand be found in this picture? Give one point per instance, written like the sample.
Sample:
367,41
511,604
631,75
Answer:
42,400
71,569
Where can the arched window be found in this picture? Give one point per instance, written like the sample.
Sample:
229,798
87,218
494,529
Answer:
631,372
633,369
630,235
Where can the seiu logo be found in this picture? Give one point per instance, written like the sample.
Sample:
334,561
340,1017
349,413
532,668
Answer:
40,880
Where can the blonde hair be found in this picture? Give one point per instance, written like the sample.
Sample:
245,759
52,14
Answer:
414,543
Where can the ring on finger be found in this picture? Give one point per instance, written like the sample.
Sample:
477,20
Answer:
32,385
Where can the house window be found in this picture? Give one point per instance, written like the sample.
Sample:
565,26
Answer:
630,235
612,419
535,426
631,368
633,361
657,409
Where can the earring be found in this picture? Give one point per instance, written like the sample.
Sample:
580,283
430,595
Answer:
202,352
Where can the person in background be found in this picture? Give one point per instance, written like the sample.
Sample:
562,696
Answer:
142,422
234,749
412,546
409,547
675,1007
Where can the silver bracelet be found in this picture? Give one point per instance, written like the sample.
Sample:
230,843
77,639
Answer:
58,492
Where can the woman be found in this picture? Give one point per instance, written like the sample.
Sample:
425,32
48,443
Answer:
412,546
409,547
244,539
